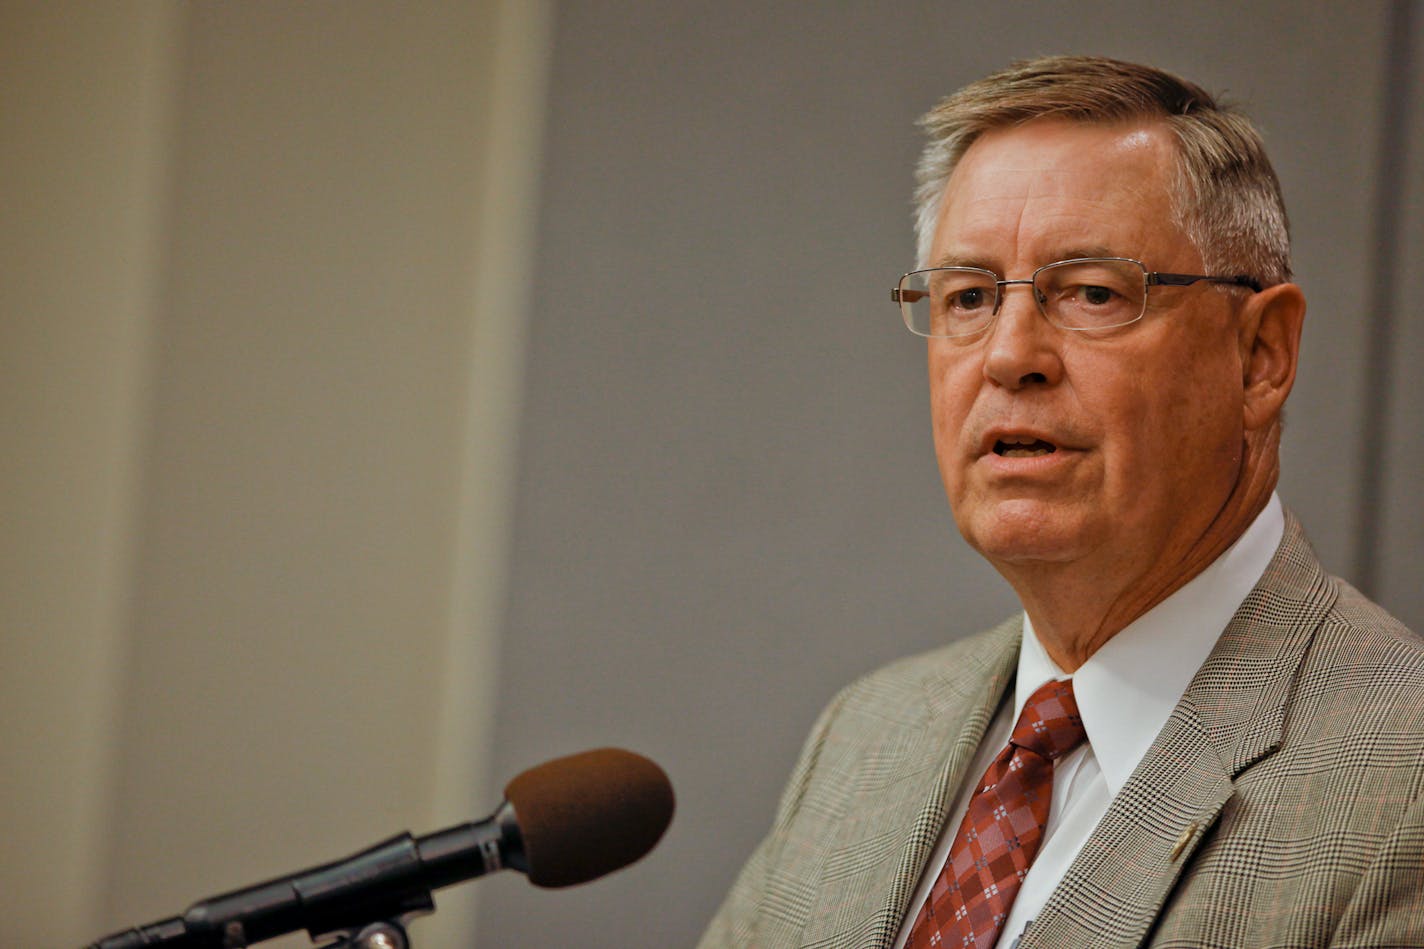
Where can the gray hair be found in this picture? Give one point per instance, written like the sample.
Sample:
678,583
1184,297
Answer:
1225,198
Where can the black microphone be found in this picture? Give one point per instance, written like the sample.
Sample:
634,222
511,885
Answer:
563,822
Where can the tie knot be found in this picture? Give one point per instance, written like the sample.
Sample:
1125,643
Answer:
1050,725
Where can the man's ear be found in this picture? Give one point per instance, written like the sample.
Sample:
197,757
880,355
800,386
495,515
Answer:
1270,349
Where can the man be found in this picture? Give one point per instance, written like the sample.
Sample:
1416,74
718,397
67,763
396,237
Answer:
1192,736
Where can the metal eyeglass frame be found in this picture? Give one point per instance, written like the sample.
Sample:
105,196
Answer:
1150,278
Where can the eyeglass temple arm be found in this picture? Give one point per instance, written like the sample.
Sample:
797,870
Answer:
1187,279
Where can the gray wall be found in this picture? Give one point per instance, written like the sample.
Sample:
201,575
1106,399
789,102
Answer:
727,501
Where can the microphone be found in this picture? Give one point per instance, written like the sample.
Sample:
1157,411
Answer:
566,821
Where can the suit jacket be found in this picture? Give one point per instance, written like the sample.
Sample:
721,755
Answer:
1279,806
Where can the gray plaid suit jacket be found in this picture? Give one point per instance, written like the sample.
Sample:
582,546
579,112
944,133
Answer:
1279,806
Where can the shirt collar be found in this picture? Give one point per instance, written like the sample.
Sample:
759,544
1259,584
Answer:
1128,688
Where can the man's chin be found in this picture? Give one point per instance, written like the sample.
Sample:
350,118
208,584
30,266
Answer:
1023,533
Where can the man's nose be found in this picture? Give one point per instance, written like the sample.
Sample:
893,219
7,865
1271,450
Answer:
1022,348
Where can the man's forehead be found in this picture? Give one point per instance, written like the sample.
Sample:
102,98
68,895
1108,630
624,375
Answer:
1076,189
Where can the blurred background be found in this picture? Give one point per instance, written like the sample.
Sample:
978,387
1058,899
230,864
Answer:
394,396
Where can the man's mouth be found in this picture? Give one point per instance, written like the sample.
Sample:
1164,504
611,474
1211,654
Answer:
1023,447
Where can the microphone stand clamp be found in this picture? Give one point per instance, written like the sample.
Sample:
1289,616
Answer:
385,934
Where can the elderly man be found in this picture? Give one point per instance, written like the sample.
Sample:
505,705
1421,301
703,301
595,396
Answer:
1192,736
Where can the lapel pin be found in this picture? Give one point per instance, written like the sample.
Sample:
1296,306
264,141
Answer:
1183,840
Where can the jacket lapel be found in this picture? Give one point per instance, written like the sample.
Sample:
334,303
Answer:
1231,716
891,826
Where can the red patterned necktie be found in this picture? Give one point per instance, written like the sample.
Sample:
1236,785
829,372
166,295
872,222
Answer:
1001,830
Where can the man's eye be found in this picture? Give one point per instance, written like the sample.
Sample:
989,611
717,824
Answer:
969,299
1096,296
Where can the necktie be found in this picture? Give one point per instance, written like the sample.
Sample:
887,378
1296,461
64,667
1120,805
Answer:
1002,828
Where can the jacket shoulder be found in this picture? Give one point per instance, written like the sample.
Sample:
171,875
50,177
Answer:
942,671
1364,659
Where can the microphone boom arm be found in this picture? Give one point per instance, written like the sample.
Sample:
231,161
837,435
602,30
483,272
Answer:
386,883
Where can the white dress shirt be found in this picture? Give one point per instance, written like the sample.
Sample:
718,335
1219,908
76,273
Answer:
1125,691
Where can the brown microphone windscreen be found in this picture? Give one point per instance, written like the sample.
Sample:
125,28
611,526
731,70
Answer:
589,814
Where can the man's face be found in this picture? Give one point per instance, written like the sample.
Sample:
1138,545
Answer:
1144,422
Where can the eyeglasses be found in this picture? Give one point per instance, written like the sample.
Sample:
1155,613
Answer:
1086,293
